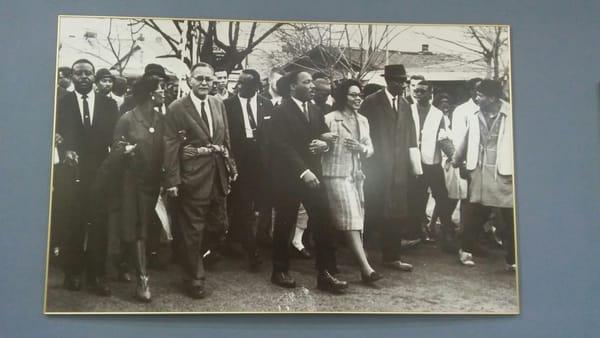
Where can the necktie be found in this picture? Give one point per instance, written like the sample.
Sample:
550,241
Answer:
305,111
203,114
87,123
250,116
394,105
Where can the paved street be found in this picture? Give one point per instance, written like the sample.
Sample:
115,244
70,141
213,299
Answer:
437,284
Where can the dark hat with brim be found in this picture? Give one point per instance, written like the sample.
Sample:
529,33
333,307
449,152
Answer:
394,72
153,69
104,73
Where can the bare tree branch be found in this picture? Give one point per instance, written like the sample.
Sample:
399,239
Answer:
461,45
266,34
251,37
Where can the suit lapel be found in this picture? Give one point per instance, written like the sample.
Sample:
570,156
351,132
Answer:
76,110
260,114
386,105
295,111
195,115
215,113
97,109
340,117
237,114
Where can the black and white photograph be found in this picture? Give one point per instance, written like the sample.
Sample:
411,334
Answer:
250,166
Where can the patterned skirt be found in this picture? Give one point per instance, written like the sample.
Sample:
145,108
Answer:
346,202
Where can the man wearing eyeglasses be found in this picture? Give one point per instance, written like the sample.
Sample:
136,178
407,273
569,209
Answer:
85,121
197,171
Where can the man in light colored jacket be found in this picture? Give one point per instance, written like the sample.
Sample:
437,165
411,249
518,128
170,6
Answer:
488,147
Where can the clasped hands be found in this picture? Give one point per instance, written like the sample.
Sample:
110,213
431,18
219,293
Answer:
189,151
350,143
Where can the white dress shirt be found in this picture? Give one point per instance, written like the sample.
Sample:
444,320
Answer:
253,106
391,98
198,104
118,99
275,98
91,96
301,105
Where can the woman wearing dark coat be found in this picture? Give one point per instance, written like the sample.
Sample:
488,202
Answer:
142,131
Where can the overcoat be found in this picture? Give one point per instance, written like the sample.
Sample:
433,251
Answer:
388,170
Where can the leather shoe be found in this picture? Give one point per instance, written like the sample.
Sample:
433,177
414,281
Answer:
409,243
283,279
399,265
100,287
326,282
123,275
304,254
196,291
372,277
72,283
465,258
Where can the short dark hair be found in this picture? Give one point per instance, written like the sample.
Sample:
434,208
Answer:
84,61
490,88
284,85
64,71
472,83
424,82
371,88
341,92
202,64
255,75
142,89
103,73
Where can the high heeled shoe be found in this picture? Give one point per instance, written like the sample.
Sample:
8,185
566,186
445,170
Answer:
142,292
371,278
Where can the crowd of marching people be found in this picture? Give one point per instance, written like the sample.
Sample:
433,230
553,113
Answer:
141,163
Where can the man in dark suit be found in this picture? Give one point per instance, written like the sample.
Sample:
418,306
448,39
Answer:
297,126
389,169
249,115
85,122
197,170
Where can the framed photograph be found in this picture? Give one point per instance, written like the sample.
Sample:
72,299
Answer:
247,166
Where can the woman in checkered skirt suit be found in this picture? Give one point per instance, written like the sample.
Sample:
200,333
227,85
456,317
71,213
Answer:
343,178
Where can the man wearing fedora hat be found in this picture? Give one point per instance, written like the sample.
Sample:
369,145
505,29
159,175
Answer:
389,169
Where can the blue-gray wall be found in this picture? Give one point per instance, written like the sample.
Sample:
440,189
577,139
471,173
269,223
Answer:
556,86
